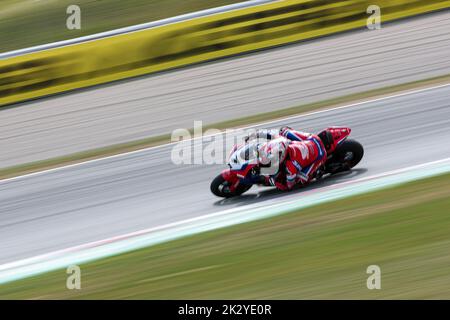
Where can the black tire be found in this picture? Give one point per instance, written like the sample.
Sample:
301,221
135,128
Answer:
217,188
346,156
348,147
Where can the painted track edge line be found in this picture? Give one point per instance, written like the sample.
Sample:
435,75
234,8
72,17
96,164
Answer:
298,116
113,246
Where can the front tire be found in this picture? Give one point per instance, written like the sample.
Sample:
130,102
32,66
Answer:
219,187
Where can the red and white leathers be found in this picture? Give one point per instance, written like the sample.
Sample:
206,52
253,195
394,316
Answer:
302,161
305,154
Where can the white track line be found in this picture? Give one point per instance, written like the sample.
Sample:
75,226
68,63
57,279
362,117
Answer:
225,212
135,28
268,123
131,241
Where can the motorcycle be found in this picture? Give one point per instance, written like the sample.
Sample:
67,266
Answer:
244,171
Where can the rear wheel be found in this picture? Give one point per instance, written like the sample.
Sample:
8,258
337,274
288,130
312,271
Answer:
346,156
221,188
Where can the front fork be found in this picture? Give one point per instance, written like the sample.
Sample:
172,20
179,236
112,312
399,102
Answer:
234,181
231,178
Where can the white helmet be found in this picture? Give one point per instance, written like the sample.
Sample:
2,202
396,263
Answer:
273,152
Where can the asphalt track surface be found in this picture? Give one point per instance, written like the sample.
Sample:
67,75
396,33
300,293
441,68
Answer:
109,197
307,72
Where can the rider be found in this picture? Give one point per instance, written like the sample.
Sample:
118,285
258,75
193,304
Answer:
298,155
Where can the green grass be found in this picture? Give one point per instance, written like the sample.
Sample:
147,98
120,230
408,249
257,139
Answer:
321,252
26,168
25,23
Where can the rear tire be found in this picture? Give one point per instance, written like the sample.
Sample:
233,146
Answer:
347,155
219,188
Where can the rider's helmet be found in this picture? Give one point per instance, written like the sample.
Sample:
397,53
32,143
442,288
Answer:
273,153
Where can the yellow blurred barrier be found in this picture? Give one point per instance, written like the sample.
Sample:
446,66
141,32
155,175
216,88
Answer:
179,44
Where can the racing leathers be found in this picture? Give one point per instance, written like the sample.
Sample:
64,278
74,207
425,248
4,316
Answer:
305,154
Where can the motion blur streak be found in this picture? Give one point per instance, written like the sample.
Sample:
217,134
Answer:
181,44
264,209
266,81
134,28
114,196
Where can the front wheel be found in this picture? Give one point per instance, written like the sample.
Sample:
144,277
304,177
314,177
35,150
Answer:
346,156
221,188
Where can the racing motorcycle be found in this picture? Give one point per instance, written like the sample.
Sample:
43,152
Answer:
244,171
